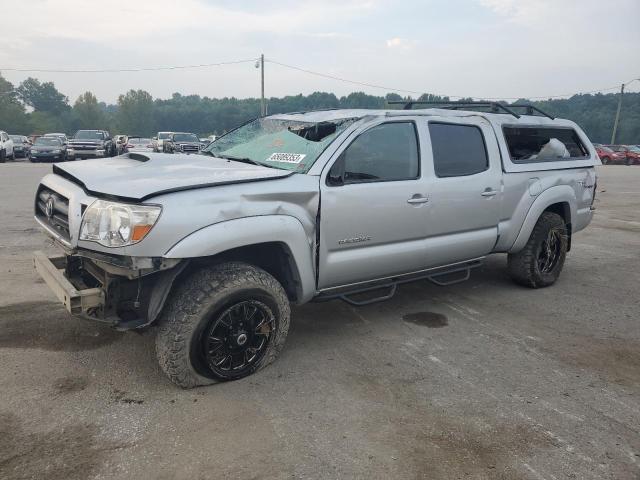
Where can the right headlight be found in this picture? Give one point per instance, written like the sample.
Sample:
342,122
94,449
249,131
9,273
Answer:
115,224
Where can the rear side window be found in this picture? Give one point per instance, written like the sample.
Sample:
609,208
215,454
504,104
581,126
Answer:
458,150
384,153
543,144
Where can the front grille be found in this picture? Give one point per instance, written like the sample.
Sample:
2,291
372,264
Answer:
79,146
189,148
53,210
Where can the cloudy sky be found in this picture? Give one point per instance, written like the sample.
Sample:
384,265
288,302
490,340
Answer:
478,48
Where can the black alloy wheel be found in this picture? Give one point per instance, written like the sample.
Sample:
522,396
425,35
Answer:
236,338
550,251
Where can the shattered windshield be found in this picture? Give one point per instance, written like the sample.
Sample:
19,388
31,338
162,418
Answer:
284,144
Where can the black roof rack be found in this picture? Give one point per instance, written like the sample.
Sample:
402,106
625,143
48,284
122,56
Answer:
530,109
494,107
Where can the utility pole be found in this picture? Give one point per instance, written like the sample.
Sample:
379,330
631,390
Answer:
615,124
263,105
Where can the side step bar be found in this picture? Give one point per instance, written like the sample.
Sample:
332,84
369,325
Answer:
442,277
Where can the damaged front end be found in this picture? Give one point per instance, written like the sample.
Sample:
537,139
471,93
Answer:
125,292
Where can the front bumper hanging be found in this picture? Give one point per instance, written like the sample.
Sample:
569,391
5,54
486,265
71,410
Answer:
77,300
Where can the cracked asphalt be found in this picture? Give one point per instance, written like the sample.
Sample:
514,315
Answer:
479,380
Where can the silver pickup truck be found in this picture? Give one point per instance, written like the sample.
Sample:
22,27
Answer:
296,207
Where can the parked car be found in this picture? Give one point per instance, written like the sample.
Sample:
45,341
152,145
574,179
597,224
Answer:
607,155
158,141
48,149
91,144
626,156
181,142
138,144
121,144
6,147
214,251
633,154
21,146
61,136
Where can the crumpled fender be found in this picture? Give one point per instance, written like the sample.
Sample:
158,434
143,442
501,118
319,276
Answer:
556,194
242,232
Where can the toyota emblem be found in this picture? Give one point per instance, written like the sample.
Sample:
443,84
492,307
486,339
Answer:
49,207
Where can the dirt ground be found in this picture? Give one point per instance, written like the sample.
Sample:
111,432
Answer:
483,379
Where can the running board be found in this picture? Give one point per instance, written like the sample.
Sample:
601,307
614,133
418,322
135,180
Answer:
442,277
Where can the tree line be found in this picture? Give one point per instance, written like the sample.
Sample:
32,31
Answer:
35,107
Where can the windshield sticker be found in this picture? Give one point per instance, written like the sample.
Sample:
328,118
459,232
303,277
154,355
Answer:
286,157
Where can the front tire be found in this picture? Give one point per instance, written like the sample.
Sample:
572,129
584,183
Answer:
223,323
541,260
2,156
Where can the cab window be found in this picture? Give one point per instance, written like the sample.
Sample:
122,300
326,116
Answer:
386,152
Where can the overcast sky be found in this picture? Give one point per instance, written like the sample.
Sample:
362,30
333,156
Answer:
478,48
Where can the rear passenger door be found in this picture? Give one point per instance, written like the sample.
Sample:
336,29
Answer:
372,215
464,186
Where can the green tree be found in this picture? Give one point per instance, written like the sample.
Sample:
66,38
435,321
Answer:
88,113
135,113
13,117
45,122
43,97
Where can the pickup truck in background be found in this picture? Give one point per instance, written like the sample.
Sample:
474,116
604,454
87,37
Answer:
91,144
182,142
290,208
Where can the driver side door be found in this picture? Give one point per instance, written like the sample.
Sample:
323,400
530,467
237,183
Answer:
372,215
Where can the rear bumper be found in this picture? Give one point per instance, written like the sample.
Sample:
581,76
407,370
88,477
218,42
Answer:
77,300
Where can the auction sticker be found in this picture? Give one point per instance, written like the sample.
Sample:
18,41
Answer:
286,157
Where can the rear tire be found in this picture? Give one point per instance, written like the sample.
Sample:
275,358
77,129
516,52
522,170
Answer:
541,260
604,160
223,323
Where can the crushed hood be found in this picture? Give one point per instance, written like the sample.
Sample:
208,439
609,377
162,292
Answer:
139,176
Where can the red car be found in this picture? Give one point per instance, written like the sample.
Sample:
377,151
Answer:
631,153
608,155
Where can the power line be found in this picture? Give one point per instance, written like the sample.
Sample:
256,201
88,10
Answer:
122,70
354,82
293,67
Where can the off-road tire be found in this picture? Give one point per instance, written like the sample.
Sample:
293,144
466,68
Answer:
523,266
191,306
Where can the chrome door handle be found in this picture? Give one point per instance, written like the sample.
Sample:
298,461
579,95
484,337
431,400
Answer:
489,193
418,199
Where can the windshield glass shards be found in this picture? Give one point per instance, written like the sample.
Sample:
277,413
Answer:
284,144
